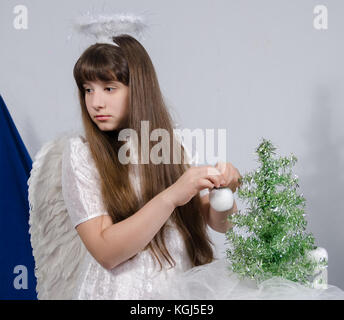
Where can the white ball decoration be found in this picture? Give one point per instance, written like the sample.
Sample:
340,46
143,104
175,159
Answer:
320,279
221,199
319,254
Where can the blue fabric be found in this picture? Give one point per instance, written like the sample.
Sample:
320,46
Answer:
15,246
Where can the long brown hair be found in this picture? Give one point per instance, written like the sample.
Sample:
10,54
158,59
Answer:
130,64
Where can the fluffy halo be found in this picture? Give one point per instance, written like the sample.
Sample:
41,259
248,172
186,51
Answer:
102,27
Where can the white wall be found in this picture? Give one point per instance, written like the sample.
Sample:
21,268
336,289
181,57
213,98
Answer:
256,68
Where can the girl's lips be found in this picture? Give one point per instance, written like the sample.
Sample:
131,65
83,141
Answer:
102,117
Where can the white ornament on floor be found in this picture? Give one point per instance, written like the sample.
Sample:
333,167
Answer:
320,274
221,199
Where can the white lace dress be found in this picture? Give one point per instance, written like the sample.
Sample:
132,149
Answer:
137,278
141,278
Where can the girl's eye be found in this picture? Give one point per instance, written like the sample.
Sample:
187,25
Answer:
87,89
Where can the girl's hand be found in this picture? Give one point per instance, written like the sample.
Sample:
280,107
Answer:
192,181
229,175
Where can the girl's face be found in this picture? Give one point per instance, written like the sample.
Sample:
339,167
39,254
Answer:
108,99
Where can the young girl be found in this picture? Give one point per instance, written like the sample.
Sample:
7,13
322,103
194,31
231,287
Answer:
141,224
103,229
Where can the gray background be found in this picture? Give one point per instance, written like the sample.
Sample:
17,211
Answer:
256,68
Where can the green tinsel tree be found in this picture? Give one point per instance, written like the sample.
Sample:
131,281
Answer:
269,239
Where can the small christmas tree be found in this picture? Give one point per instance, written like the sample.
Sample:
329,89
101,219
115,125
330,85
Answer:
269,239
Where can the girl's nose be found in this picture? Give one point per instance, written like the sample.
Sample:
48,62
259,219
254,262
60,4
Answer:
98,100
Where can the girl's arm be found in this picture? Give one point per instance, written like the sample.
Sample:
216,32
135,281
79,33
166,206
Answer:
111,244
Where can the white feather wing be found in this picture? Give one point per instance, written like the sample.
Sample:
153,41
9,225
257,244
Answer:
57,249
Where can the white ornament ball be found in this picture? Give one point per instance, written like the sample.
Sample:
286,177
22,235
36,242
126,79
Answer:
221,199
319,254
320,279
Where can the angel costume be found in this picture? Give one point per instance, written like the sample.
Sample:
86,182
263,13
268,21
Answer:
64,191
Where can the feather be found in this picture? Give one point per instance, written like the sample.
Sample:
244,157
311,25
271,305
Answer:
56,246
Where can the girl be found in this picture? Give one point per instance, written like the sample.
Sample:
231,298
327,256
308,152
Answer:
141,224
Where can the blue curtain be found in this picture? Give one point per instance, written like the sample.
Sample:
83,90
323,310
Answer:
17,279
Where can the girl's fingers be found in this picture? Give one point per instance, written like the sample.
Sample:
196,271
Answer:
209,170
221,166
226,175
224,170
214,175
210,173
234,182
216,180
207,184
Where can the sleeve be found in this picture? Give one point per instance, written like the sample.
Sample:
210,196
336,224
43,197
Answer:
80,183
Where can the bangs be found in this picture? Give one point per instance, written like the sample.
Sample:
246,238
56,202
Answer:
88,71
98,66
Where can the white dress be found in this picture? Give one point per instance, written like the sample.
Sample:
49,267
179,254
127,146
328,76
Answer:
64,177
137,278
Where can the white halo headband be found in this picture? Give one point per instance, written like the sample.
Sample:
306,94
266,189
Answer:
104,27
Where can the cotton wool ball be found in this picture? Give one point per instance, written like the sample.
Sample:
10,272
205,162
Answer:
221,199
